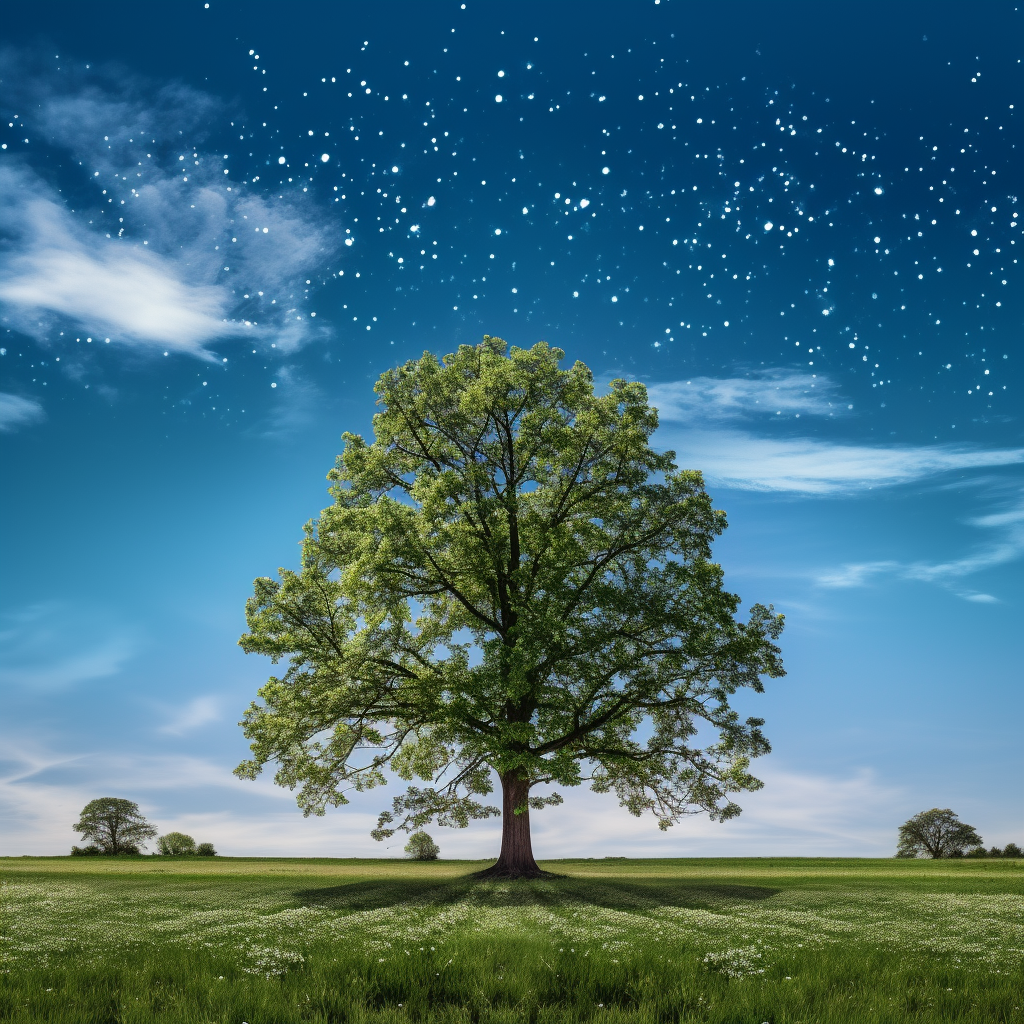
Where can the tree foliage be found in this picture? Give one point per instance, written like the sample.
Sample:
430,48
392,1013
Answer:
205,850
936,833
176,844
114,825
422,847
510,580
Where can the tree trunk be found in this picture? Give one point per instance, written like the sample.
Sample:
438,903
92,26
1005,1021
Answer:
516,858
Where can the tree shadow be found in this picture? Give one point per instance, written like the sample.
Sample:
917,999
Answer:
552,893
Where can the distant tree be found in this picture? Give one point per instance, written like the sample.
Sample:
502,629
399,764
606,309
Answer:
116,826
176,844
205,850
92,850
1012,850
936,833
511,580
422,847
976,852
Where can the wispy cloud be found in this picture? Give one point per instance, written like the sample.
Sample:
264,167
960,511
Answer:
50,647
1006,546
732,458
770,393
16,411
196,713
710,423
166,251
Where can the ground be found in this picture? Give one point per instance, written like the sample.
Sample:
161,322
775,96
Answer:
276,941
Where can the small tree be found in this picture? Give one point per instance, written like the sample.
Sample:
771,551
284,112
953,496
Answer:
936,833
422,847
176,844
511,580
205,850
116,826
1012,850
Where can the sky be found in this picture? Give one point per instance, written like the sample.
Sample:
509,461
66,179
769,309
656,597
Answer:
797,225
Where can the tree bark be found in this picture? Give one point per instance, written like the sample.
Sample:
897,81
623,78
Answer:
516,857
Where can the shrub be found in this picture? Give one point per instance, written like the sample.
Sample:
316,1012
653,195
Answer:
1012,850
977,851
176,844
995,852
422,847
92,850
205,850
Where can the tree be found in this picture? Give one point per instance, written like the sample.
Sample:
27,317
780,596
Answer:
205,850
936,833
510,580
422,847
116,826
1012,850
176,844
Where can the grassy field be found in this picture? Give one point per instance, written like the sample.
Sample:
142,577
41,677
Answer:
269,941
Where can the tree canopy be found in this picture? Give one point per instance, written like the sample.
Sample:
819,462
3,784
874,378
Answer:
422,847
114,825
510,580
936,833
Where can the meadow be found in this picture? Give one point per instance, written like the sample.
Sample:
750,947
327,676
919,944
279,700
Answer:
743,941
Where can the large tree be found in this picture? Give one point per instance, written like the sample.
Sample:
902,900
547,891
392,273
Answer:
511,580
936,833
115,825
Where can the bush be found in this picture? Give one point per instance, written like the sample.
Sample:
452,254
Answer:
422,847
977,851
1012,850
176,844
205,850
995,852
92,850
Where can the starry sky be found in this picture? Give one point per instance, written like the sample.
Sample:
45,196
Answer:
797,225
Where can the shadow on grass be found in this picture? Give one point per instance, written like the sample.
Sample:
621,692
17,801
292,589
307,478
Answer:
611,894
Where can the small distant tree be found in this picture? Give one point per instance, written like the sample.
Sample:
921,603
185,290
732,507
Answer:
976,851
116,826
1012,850
422,847
936,833
205,850
176,844
92,850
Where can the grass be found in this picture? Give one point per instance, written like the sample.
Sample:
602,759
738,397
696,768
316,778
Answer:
276,941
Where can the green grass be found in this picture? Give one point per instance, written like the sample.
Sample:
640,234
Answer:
276,941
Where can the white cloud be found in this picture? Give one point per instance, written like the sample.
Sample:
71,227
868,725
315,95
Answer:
798,813
159,253
730,398
734,459
105,286
50,647
196,713
691,411
16,412
1008,546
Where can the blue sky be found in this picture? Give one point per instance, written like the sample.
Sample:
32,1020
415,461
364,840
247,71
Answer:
221,223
